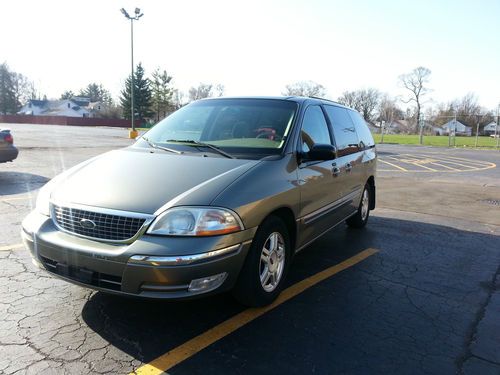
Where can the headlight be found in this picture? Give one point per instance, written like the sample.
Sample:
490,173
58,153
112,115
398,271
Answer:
196,221
43,199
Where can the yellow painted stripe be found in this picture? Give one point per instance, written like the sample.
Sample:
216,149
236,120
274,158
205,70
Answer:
445,166
413,162
11,247
424,166
198,343
475,163
394,165
472,161
16,198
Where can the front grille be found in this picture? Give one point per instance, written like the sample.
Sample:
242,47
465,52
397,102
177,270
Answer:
100,226
101,280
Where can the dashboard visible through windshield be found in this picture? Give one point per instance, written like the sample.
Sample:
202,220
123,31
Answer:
240,126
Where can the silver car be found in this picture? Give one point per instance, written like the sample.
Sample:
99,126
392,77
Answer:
218,196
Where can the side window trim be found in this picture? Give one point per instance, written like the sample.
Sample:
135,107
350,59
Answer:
298,145
351,121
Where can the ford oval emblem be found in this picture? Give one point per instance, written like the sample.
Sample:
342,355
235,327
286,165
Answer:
87,224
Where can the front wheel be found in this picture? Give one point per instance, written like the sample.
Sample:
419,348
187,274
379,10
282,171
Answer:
360,218
262,276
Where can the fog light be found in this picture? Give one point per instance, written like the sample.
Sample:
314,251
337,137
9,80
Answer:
207,283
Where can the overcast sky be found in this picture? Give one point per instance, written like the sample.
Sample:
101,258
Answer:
257,47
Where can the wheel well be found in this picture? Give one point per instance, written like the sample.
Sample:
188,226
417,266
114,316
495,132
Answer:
371,183
286,214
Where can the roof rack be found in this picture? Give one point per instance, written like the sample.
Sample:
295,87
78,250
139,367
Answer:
328,100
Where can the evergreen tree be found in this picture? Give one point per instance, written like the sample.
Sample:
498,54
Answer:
96,93
68,94
162,94
8,98
142,95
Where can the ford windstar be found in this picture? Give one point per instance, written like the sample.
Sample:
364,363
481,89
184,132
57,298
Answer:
218,196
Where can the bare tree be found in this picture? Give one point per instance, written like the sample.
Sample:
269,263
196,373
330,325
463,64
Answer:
415,82
205,90
388,110
364,101
304,88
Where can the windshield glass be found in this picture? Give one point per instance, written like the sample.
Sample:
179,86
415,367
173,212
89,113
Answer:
248,126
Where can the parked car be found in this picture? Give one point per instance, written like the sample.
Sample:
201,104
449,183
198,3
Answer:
219,195
8,152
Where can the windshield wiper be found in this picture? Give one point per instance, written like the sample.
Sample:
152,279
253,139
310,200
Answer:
202,144
154,145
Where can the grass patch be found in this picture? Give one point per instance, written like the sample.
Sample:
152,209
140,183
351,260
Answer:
436,140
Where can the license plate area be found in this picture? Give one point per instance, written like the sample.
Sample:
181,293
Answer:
79,274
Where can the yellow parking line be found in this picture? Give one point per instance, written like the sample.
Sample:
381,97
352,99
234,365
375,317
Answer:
480,162
16,198
470,165
198,343
394,165
446,166
423,166
11,247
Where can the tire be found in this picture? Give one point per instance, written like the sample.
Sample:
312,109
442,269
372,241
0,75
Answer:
249,289
360,218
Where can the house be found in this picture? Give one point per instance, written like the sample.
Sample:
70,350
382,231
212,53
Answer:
457,128
374,128
491,128
397,127
74,107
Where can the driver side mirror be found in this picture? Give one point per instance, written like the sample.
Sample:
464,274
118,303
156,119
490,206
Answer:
319,152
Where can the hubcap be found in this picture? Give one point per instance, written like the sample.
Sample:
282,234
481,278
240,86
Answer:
272,261
365,203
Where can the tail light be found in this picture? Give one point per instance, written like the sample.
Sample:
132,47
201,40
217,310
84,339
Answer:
9,139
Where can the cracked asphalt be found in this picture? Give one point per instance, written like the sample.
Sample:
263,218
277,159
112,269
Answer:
427,302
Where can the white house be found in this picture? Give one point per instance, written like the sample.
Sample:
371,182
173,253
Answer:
74,107
490,128
457,127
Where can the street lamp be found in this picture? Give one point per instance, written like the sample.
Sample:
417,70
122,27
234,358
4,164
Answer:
137,15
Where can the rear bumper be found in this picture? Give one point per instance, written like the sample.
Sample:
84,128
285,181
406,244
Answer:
8,154
151,266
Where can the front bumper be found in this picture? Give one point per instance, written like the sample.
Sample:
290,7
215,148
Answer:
151,266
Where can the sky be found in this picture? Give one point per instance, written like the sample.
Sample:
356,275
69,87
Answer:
257,47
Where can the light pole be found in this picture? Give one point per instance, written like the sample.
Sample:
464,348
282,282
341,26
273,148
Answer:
133,133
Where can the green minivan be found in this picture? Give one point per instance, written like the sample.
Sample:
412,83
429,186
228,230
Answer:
218,196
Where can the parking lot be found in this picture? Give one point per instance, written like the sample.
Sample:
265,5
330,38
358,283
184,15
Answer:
416,291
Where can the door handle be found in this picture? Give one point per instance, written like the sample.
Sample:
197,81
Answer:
348,167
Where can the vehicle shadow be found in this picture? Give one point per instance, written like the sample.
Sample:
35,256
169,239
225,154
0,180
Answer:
19,182
411,254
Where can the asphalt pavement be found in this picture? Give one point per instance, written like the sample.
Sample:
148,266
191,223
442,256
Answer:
426,301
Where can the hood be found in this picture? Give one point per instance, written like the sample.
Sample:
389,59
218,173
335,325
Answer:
146,181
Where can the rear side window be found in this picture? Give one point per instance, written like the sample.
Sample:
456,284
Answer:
364,134
314,129
344,132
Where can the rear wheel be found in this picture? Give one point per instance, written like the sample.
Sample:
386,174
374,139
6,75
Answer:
360,218
262,276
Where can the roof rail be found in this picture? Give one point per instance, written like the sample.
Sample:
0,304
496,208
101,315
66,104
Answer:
328,100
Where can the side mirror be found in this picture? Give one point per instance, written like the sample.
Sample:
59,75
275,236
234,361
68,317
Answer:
320,152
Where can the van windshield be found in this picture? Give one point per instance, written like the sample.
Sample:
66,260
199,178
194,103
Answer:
238,126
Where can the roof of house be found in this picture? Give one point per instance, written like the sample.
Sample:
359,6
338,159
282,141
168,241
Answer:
455,124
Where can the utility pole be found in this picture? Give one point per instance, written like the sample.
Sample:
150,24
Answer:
382,126
497,135
422,124
477,131
133,133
